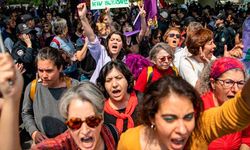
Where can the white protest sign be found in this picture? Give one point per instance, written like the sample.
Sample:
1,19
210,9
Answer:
102,4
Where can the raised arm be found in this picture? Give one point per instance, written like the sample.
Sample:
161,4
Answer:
233,115
82,10
11,85
110,20
80,55
143,23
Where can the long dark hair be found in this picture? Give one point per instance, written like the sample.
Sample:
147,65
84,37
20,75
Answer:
124,50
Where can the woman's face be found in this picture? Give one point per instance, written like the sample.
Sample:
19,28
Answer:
115,45
225,87
46,28
85,137
157,39
208,49
127,28
163,60
102,29
173,38
174,121
116,85
49,16
48,73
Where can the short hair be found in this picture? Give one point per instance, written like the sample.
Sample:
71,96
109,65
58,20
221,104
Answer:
85,91
122,67
59,26
194,26
171,29
164,87
198,39
49,53
158,47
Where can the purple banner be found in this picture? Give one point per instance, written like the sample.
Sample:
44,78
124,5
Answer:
150,7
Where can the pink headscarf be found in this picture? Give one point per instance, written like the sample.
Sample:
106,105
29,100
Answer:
224,64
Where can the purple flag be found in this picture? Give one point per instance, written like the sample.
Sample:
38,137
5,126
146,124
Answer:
137,22
150,7
127,34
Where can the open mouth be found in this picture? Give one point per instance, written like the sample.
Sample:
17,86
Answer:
174,41
87,139
229,97
178,143
114,46
116,91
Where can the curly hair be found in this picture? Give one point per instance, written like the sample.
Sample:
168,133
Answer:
120,66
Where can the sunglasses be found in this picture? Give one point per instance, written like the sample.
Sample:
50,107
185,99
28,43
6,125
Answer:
174,35
164,58
76,123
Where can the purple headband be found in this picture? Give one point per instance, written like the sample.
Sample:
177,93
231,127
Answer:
224,64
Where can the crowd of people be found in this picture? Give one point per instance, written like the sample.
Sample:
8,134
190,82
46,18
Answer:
89,79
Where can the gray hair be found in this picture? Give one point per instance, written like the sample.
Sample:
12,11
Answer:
158,47
85,91
194,26
204,79
59,26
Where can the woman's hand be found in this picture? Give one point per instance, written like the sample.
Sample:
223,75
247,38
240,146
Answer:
82,10
236,51
203,56
20,68
142,12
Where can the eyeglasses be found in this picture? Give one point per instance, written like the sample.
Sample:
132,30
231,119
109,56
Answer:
164,58
174,35
76,123
228,83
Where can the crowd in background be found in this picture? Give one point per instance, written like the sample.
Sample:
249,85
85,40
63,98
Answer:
96,67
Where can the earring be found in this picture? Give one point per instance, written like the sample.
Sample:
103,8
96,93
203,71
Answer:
152,126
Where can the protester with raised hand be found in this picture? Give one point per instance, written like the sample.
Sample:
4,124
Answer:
115,47
172,118
220,81
11,84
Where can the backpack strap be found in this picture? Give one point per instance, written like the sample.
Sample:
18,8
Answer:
149,74
68,82
57,42
33,89
175,70
34,84
190,62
